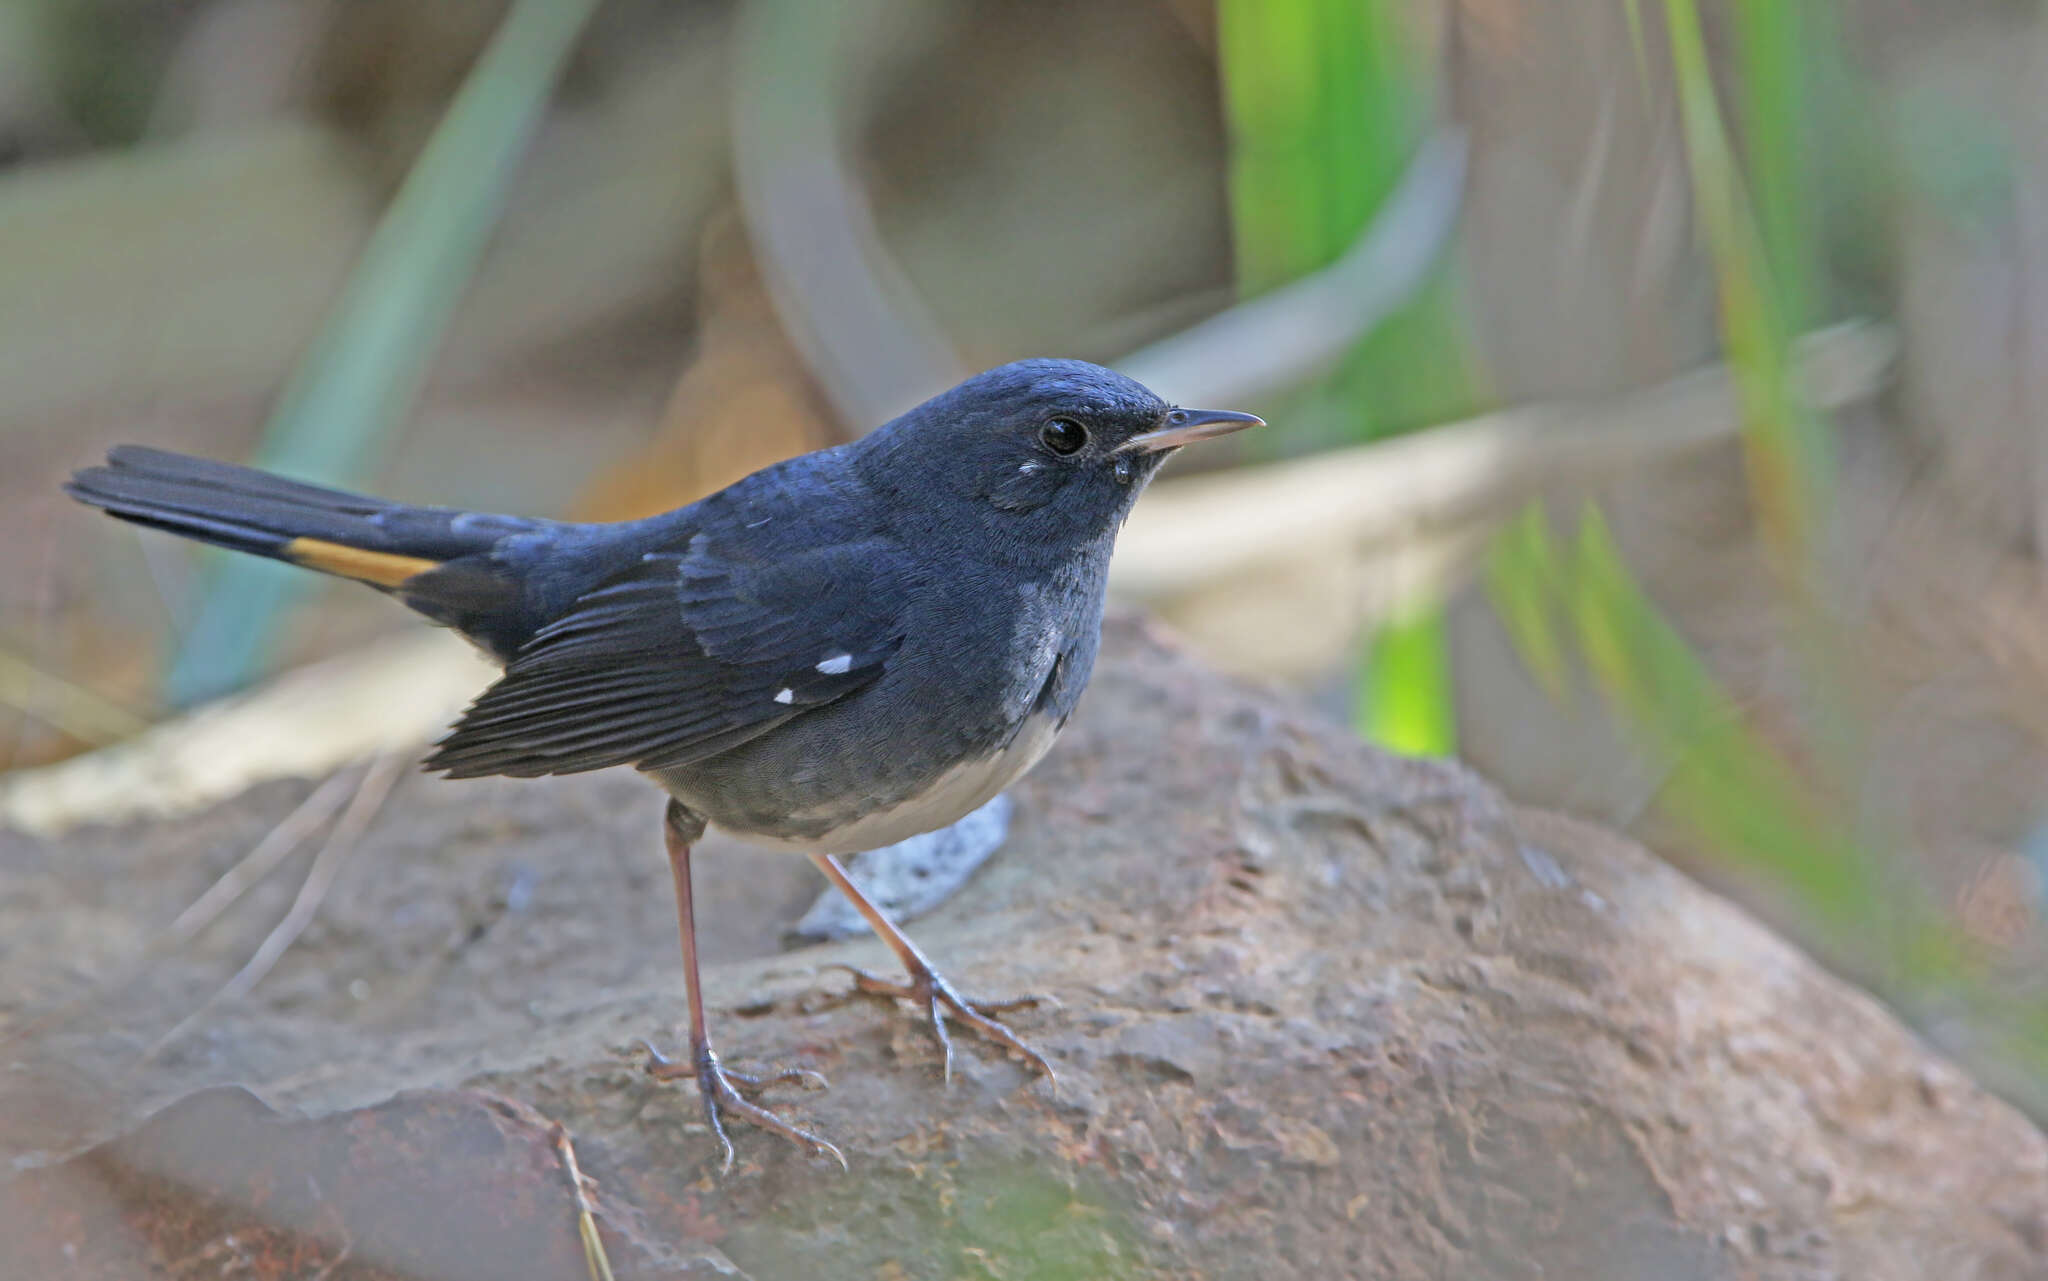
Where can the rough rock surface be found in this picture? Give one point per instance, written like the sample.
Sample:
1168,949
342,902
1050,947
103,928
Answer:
1320,1013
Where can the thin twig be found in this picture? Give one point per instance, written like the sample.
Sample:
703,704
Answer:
328,1268
277,845
370,794
586,1212
369,798
290,833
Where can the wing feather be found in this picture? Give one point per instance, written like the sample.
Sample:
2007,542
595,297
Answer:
681,657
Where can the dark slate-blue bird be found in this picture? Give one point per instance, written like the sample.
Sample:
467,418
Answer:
835,653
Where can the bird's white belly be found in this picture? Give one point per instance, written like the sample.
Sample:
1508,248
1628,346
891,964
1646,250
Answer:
959,791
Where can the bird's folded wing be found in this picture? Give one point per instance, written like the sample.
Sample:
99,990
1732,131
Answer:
681,657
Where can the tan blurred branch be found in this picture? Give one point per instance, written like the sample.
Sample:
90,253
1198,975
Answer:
389,696
1209,527
1330,541
1286,337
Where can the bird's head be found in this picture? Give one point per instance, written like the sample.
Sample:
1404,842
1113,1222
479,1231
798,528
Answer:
1041,455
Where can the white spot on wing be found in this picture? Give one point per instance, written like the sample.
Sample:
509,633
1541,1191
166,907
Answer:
786,696
836,665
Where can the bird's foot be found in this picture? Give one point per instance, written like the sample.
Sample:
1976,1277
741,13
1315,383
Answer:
931,993
729,1093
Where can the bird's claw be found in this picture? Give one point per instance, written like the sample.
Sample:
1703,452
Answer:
931,993
663,1068
726,1092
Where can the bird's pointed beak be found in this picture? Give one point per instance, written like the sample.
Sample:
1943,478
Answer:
1186,426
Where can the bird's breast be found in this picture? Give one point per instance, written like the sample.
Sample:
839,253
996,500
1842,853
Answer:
850,825
975,696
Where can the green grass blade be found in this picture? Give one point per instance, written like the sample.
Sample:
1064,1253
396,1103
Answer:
1326,100
1786,805
1637,45
1525,584
1728,785
1746,801
1786,447
359,379
1406,702
1771,38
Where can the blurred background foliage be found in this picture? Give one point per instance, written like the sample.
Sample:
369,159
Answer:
1326,103
550,256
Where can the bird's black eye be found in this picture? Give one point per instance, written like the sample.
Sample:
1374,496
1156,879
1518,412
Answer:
1063,435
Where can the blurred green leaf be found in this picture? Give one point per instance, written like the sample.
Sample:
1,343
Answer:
1772,41
1728,785
360,378
1634,9
1406,702
1786,447
1326,100
974,1218
1524,583
1744,798
1784,805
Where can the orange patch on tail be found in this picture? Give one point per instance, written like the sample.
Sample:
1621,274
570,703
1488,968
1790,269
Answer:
383,569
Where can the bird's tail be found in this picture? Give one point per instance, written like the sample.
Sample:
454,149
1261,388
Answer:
434,558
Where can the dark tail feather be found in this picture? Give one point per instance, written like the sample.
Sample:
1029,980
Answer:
434,558
234,507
